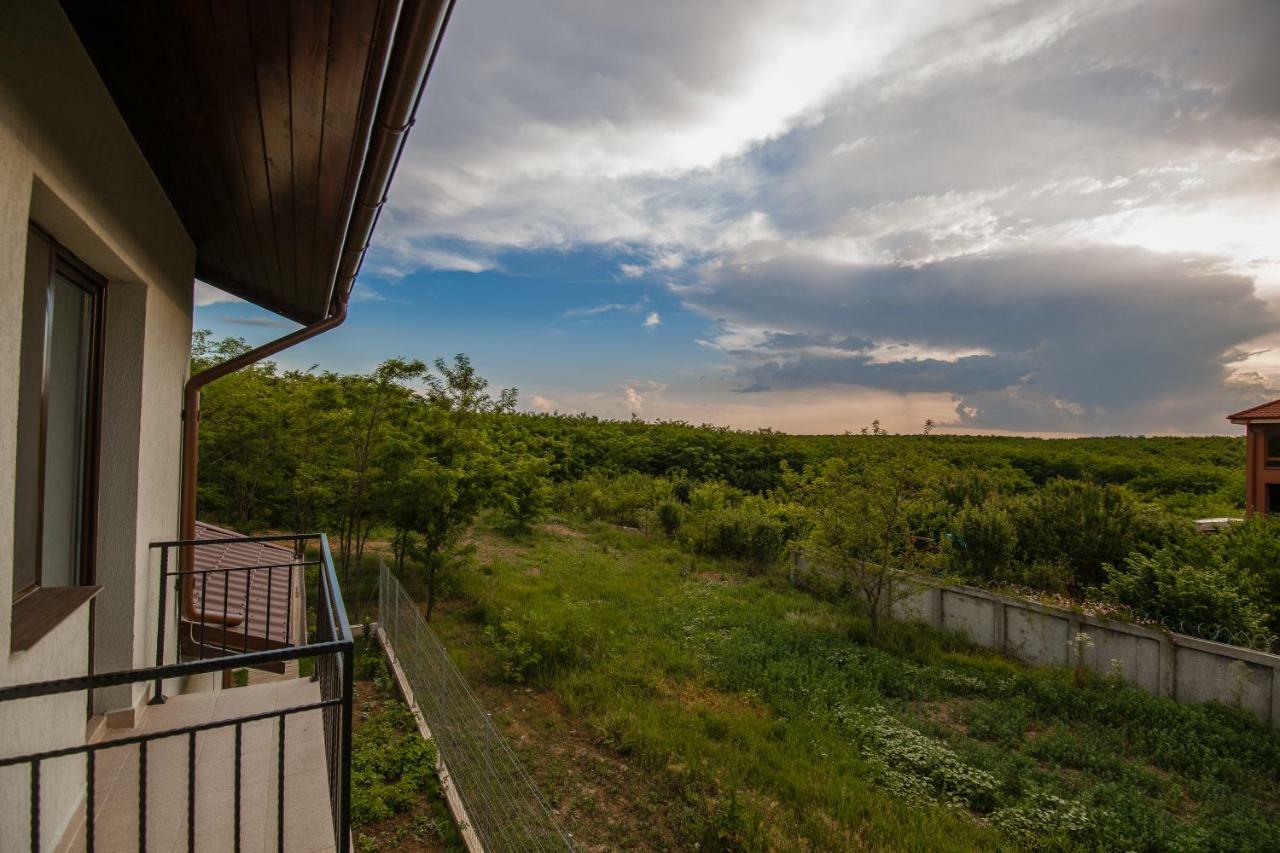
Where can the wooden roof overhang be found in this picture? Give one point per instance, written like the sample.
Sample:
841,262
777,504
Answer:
257,120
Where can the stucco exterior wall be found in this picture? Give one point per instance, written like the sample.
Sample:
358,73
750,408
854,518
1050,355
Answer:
69,163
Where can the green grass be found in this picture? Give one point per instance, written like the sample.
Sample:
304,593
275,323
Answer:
769,722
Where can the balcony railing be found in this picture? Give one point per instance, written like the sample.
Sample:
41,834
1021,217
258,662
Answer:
208,644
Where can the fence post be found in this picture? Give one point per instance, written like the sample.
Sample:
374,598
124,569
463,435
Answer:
1167,684
1275,696
999,625
157,697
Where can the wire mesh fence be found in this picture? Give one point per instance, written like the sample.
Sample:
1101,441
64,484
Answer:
502,803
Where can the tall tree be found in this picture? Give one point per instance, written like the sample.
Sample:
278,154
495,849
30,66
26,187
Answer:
863,527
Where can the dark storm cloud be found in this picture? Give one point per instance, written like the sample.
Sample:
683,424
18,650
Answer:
965,375
782,341
1091,334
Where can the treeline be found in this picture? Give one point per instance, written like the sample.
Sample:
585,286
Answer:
412,454
1199,476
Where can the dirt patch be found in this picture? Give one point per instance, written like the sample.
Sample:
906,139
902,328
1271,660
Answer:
719,578
697,697
562,530
948,713
490,548
604,801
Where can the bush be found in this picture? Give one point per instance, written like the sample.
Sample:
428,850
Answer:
1208,592
1085,525
627,499
391,765
1254,546
983,542
525,494
670,516
756,530
541,643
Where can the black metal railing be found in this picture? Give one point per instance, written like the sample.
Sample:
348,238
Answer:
326,640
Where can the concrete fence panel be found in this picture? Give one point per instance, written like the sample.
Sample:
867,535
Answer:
918,605
1136,657
1204,674
1033,636
969,614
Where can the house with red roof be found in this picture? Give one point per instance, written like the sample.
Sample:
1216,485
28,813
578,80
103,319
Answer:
1262,456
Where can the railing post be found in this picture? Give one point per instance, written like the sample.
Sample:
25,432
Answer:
157,697
344,805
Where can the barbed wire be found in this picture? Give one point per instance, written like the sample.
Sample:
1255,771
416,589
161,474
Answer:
503,804
1259,641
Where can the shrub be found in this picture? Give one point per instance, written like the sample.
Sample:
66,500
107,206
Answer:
670,516
1254,546
525,494
391,765
541,643
627,499
1083,524
516,655
983,542
756,530
1209,591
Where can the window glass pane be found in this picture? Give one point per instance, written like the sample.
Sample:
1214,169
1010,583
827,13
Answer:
1273,445
26,498
67,355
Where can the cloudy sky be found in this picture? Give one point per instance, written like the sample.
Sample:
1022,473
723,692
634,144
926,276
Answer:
1044,217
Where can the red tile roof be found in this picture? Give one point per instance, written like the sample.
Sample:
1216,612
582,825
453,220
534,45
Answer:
1266,410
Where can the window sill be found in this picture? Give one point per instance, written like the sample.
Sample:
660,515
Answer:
43,609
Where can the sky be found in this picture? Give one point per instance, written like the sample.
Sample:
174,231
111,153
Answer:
1051,218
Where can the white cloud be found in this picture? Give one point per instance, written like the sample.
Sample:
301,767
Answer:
540,403
596,310
207,294
637,393
652,320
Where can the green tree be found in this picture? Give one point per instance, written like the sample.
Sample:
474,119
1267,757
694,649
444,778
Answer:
862,527
455,472
374,402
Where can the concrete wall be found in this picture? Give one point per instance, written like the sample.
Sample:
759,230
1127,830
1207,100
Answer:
69,163
1162,663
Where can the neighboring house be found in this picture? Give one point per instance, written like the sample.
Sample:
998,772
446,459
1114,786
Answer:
1262,456
143,145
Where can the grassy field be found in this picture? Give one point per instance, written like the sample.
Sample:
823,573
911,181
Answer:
663,702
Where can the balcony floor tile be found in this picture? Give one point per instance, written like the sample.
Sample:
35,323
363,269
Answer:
307,825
